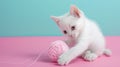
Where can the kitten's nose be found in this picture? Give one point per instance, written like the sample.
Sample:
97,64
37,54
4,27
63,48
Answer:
71,36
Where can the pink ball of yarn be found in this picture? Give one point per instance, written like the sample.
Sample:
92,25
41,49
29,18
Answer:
56,49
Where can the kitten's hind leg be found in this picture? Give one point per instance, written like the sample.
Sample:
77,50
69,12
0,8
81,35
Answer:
89,56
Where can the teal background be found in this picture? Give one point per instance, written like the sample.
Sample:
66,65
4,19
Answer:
32,17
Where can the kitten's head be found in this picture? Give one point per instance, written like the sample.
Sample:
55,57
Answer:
71,23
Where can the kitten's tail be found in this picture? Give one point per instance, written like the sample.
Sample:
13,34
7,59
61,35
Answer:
107,52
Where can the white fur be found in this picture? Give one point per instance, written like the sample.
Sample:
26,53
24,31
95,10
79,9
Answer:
87,38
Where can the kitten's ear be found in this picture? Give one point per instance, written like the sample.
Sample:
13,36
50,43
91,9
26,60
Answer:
75,11
56,19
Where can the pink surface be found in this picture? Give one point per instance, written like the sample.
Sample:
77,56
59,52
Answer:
22,51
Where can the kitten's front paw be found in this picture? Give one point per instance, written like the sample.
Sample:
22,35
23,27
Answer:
64,59
90,57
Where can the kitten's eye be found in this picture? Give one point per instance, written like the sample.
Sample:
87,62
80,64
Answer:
65,32
73,28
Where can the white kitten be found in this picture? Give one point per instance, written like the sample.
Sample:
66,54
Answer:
84,33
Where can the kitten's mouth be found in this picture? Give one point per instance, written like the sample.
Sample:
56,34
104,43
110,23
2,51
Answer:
71,36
